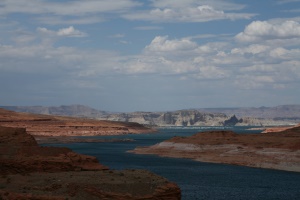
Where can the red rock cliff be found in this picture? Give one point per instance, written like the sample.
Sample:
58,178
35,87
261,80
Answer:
28,171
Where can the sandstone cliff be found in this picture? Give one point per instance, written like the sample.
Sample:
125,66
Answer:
29,172
192,118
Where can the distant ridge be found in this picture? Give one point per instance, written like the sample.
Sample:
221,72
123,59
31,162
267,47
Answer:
64,110
262,116
281,112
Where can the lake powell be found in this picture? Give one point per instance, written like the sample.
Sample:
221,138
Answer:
197,180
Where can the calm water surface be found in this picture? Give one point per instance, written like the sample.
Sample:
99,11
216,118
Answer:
197,180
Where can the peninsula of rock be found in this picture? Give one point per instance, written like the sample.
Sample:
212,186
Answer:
273,150
48,125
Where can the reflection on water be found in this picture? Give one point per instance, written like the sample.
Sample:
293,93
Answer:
197,180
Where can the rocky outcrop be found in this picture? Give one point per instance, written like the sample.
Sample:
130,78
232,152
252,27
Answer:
232,121
192,118
278,150
20,153
278,113
176,118
46,125
28,171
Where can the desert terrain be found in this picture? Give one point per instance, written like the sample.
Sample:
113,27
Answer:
29,171
48,125
273,150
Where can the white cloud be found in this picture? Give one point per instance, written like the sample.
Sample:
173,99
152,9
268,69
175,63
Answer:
211,72
199,13
218,4
66,12
56,20
252,49
260,30
74,8
64,32
162,44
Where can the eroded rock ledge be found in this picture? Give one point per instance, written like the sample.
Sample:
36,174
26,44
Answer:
278,150
47,125
28,171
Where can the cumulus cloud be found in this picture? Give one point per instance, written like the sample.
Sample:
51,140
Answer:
260,30
162,44
252,66
64,32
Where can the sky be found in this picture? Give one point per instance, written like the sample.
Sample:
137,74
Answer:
149,55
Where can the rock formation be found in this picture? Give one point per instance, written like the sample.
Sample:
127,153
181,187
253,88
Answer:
282,112
29,172
263,116
46,125
277,150
20,153
192,118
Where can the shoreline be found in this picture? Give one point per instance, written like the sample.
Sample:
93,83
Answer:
278,151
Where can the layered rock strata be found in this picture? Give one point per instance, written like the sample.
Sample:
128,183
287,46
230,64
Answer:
28,171
280,150
45,125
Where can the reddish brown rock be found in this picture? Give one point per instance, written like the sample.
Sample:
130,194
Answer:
31,172
47,125
20,153
279,129
279,150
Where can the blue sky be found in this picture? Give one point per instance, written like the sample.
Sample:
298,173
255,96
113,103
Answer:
150,55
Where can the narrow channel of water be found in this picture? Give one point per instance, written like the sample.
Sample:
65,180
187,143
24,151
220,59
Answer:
197,180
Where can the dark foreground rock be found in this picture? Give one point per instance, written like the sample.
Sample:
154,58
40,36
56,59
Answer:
28,171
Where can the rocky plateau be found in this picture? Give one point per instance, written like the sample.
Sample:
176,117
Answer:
48,125
274,150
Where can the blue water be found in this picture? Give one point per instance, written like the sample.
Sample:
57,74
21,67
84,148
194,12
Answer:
197,180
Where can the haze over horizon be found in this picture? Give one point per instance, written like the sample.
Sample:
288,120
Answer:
152,55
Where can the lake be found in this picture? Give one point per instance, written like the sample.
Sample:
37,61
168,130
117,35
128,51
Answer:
197,180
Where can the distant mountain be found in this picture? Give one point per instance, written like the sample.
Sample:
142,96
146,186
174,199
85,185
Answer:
71,110
283,112
193,118
263,116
